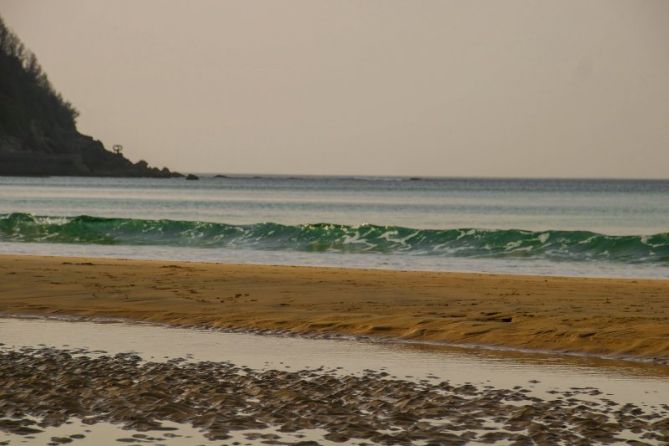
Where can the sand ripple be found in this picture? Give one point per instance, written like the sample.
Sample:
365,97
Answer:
54,385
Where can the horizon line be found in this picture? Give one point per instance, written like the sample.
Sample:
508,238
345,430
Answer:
423,177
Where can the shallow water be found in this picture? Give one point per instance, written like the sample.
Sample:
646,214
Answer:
625,381
366,261
543,376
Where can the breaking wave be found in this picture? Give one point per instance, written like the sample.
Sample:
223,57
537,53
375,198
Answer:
327,237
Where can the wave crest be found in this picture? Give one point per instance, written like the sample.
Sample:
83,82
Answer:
327,237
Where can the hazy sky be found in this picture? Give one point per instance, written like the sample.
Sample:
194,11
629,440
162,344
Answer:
487,88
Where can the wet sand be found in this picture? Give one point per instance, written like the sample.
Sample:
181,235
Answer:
102,383
603,316
46,387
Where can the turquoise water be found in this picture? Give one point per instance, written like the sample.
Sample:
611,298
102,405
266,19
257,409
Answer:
574,227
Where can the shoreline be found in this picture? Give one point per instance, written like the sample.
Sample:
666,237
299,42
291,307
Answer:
600,316
130,252
505,351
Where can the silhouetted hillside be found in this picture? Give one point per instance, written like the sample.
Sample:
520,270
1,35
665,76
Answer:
38,133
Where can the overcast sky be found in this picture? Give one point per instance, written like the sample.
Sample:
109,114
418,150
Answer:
457,88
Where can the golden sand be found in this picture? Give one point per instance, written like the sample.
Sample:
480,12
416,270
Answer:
621,316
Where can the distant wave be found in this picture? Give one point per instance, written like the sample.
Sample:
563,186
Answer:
326,237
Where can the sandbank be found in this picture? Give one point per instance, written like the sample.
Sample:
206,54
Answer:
589,315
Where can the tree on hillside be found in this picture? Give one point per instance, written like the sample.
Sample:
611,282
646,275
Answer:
38,132
29,105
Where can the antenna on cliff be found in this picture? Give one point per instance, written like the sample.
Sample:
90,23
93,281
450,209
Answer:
117,148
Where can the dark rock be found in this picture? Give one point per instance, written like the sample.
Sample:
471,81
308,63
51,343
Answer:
190,176
38,132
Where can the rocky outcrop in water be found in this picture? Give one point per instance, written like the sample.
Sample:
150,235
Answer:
38,133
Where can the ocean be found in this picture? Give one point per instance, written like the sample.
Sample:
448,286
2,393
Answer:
609,228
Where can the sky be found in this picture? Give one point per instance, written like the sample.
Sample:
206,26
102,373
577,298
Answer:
514,88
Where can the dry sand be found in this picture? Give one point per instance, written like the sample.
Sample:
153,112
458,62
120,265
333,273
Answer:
604,316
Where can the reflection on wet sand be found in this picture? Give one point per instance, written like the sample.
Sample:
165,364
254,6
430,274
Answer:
614,365
54,385
185,386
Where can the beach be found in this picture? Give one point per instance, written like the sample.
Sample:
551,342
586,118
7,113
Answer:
333,311
155,402
377,224
603,316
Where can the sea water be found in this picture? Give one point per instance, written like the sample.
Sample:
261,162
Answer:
614,228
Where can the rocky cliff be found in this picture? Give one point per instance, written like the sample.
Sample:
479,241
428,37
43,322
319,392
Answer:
38,133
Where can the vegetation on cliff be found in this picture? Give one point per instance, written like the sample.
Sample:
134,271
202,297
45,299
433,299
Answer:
38,133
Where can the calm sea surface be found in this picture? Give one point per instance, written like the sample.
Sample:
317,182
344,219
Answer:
572,227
